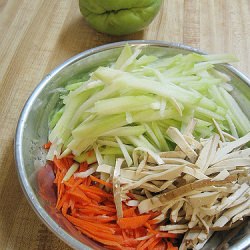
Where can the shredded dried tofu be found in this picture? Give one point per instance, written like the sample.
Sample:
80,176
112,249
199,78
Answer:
200,187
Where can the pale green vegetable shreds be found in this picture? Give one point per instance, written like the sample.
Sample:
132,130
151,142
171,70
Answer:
134,101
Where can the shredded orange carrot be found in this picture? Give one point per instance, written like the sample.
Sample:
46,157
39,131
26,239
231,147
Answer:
130,195
166,235
91,209
60,185
147,243
63,163
60,202
83,166
141,244
72,204
100,239
47,145
65,207
130,212
93,178
171,246
88,181
133,223
154,243
161,245
76,184
78,193
150,228
100,218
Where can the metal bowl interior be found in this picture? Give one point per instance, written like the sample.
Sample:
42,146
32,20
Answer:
32,129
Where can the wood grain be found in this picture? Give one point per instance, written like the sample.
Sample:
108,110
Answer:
36,36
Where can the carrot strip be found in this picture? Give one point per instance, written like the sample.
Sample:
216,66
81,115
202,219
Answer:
80,204
147,243
116,248
65,207
100,219
94,211
63,163
140,232
137,234
83,167
76,184
78,193
130,212
64,198
154,214
87,181
95,190
106,208
94,197
160,246
112,247
130,242
98,239
70,181
107,184
150,229
132,223
130,233
60,185
86,225
105,235
130,195
152,245
166,235
92,192
141,244
124,234
109,203
47,145
69,161
171,246
152,222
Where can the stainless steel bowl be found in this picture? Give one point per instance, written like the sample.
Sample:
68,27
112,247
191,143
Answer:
32,130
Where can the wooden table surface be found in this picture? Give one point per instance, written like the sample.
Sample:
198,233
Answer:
37,35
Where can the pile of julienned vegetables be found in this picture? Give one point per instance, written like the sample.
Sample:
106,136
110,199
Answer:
88,203
137,144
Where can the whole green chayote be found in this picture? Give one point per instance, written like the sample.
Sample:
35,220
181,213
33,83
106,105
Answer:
119,17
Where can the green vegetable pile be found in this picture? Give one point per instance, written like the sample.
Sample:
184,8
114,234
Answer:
132,102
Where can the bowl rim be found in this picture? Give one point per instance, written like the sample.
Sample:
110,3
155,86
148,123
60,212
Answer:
26,186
